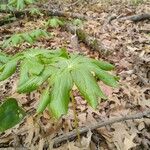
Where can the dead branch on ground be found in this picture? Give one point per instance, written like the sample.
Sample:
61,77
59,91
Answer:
47,12
110,18
136,18
71,135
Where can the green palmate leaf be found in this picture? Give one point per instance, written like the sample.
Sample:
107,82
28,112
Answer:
10,114
27,38
87,85
27,83
44,101
5,6
107,78
61,71
27,2
35,81
37,33
62,52
103,65
20,4
35,11
24,76
58,53
8,69
35,68
48,57
16,39
31,53
4,58
104,76
54,22
12,2
17,57
36,52
60,93
32,84
6,43
44,33
78,22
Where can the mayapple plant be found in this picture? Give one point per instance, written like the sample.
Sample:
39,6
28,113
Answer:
35,12
20,4
61,71
54,22
29,37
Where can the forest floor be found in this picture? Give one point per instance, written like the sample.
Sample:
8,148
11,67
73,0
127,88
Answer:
128,43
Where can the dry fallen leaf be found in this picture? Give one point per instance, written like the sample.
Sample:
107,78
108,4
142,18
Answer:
86,140
121,137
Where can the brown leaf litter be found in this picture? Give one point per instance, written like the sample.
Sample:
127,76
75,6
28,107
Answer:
129,52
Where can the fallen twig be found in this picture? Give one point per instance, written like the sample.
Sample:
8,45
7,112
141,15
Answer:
110,18
71,135
48,12
136,18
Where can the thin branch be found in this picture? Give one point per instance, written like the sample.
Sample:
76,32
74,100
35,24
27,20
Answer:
110,18
136,18
58,13
71,135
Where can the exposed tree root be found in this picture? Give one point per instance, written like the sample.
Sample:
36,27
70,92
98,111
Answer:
71,135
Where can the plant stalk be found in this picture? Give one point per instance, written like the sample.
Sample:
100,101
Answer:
75,118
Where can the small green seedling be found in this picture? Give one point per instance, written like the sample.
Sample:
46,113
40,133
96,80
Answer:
20,4
29,37
54,22
5,7
77,23
35,11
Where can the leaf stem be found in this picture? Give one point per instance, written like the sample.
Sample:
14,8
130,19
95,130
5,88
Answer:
75,118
